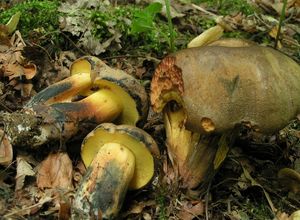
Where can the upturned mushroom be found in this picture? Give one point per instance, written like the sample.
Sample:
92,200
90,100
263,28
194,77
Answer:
93,93
117,158
212,89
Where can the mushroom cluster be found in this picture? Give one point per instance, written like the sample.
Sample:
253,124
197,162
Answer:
205,94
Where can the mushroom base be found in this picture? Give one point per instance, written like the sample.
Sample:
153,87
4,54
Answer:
104,186
195,157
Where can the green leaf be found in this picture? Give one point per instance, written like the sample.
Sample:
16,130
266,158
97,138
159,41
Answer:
13,22
144,19
153,8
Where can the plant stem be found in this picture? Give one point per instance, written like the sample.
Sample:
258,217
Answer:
170,24
282,17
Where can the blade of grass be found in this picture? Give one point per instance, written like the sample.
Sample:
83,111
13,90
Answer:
282,17
170,24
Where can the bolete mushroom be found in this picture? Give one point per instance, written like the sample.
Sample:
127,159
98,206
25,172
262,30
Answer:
290,179
215,88
90,75
117,158
93,93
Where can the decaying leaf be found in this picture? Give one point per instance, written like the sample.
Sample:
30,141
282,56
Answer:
6,151
23,169
191,209
55,172
14,66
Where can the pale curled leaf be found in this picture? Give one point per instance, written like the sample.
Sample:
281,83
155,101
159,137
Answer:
55,172
6,151
13,22
189,210
23,169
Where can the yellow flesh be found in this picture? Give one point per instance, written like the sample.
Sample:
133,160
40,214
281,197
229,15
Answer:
178,137
144,164
109,174
104,104
129,114
81,67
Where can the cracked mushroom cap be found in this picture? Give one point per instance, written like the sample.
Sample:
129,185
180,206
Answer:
220,86
141,144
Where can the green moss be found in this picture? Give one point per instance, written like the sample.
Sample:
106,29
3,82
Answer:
119,19
35,14
226,7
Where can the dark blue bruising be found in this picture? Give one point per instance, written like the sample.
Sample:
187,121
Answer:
230,85
49,93
104,193
62,111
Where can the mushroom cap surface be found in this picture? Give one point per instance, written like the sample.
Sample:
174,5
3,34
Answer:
221,86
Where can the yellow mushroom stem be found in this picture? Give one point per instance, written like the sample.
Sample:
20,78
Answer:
191,154
104,186
101,106
63,91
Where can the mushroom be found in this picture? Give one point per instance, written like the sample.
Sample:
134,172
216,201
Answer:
93,93
207,91
290,179
117,158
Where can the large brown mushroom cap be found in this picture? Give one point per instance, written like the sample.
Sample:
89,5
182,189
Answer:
220,86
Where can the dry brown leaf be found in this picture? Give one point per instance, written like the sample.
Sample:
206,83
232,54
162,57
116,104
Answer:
6,150
26,89
23,169
55,172
29,70
191,209
64,211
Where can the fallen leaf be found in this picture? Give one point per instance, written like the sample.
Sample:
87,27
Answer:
6,151
23,169
29,70
64,211
55,172
190,210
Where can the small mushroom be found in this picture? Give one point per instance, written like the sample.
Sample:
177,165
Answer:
94,93
290,179
208,91
117,158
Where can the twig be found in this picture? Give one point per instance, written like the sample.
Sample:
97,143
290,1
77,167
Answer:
130,56
282,16
206,201
205,11
43,201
